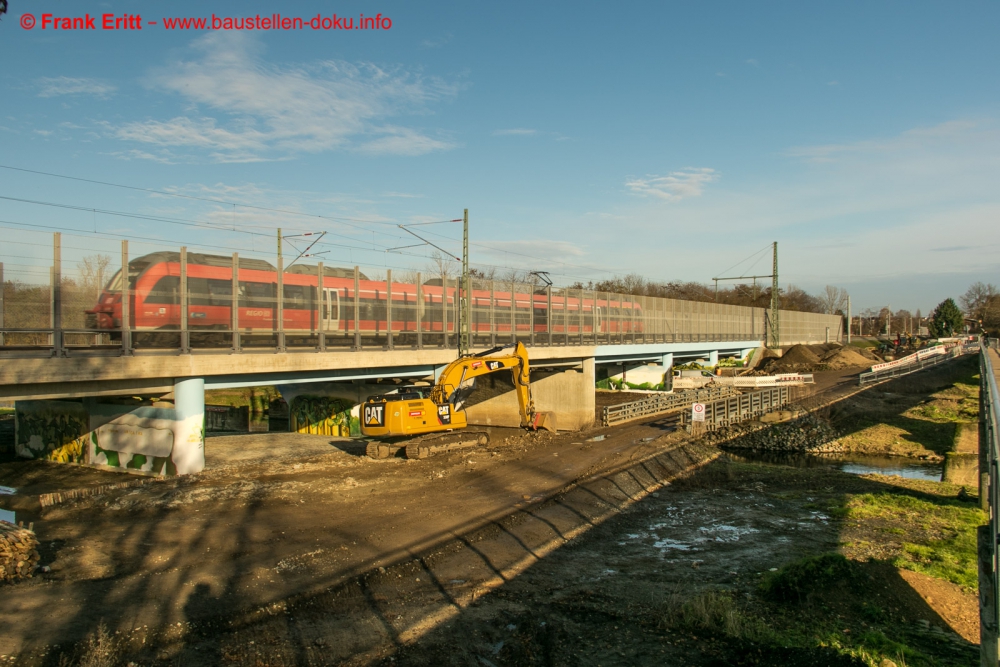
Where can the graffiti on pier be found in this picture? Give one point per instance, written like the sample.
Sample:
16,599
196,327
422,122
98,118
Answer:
320,415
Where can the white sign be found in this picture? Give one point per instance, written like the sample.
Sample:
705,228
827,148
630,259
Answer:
698,412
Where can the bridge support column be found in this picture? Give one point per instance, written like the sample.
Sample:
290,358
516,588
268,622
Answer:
189,438
667,360
713,357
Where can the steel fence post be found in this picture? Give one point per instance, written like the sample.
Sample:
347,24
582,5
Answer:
280,305
234,305
322,306
58,346
420,313
185,338
126,323
388,308
357,308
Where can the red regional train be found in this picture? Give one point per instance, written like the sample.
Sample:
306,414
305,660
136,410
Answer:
154,283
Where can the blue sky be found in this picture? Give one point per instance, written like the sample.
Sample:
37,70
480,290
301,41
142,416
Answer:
668,139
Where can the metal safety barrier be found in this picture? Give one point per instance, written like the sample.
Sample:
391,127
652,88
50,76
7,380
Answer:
741,408
658,404
755,381
878,376
989,495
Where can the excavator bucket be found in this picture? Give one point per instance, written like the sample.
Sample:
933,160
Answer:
544,420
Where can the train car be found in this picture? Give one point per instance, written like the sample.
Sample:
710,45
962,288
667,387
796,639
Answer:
155,302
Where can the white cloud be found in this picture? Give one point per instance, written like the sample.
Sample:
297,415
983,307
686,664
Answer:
674,186
264,110
65,85
752,61
401,195
437,43
402,141
945,137
512,252
515,132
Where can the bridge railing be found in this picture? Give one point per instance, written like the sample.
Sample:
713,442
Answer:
74,302
656,404
989,494
735,409
872,377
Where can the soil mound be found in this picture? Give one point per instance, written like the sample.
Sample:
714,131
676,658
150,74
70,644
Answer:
796,359
800,354
821,357
845,357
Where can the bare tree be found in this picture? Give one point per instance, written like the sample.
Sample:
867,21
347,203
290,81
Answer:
833,300
443,266
976,298
93,274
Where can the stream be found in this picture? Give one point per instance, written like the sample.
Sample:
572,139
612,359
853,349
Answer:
856,464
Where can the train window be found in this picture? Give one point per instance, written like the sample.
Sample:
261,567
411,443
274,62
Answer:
257,295
220,292
296,297
166,291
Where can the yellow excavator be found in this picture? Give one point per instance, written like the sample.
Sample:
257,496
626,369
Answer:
434,415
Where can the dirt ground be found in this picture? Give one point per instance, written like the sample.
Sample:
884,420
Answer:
288,517
537,549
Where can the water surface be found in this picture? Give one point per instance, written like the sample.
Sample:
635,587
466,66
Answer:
856,464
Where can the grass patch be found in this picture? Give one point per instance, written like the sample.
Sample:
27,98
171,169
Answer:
899,436
938,538
718,611
828,602
797,580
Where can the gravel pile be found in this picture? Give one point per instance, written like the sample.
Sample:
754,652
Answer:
804,434
18,552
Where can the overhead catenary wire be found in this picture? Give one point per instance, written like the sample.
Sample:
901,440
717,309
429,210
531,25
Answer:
340,219
159,242
759,255
225,229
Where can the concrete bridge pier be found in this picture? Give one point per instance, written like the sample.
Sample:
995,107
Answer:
189,434
568,392
713,357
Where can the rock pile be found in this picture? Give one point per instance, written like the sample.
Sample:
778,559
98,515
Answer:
18,552
805,434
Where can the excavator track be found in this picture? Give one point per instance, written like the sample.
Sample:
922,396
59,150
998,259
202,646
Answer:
428,445
381,450
421,448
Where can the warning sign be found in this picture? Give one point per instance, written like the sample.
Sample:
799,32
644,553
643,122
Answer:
374,414
698,412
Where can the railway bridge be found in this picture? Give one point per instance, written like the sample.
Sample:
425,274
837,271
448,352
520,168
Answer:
171,330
